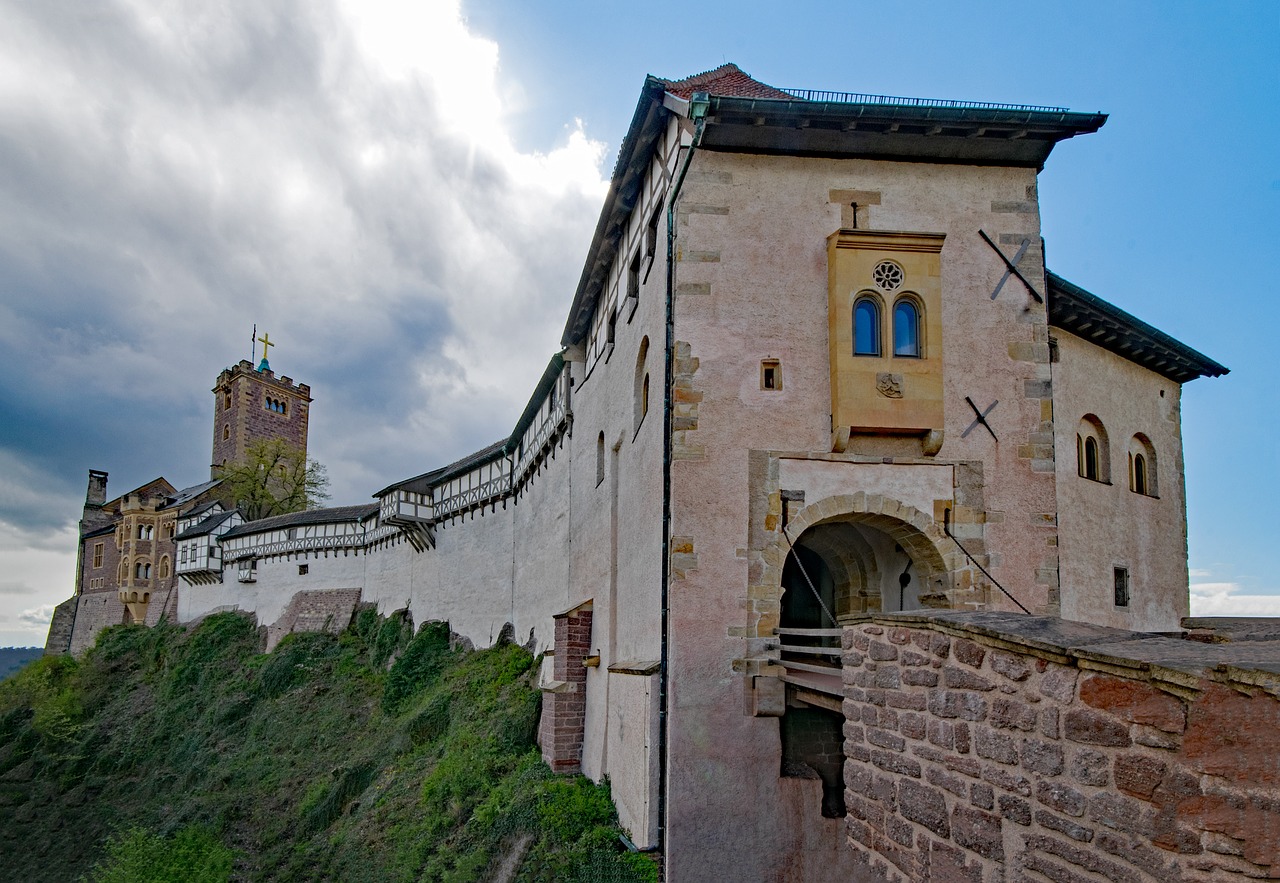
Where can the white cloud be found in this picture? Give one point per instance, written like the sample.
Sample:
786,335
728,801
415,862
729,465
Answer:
37,618
340,173
1226,599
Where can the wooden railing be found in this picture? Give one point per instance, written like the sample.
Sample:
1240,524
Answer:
817,655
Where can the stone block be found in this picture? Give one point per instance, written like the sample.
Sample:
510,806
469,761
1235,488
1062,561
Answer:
992,745
1138,774
958,704
925,806
1015,668
1094,728
1090,767
1061,798
917,677
1134,701
895,763
960,679
1059,684
1044,758
1074,830
1015,809
982,796
940,733
1011,714
943,779
1007,781
969,653
979,831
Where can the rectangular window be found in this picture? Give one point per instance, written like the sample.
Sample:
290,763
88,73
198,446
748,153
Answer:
303,569
771,374
1122,586
651,239
97,554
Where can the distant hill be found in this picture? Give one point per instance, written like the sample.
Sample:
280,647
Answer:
14,658
167,754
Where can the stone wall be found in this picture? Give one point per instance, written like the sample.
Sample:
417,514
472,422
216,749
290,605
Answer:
989,747
325,610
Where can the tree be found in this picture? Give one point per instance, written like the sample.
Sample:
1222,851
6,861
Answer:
275,478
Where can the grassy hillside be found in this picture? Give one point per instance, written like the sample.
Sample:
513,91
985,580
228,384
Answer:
163,753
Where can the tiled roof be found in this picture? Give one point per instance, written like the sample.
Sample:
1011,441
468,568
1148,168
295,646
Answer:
727,80
420,483
206,526
99,532
187,494
311,516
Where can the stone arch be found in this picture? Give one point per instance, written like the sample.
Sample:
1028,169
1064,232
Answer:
937,559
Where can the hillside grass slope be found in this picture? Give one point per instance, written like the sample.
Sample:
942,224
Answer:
167,754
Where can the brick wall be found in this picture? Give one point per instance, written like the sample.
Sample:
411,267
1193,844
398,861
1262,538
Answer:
994,747
564,699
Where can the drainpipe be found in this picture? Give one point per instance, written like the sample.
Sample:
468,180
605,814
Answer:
698,107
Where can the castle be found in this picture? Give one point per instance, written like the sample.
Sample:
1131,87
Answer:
853,537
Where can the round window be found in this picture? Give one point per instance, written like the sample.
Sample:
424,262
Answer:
888,276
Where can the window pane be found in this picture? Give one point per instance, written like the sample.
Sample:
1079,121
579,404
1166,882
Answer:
866,329
906,329
1091,459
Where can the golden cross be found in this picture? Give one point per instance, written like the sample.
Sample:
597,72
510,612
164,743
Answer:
265,340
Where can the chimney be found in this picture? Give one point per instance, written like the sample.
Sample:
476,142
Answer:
97,493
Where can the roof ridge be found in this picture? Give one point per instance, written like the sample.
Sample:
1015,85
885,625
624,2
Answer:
727,80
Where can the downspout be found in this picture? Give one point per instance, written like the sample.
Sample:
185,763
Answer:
698,107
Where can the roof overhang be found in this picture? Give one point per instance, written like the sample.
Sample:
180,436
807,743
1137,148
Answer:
646,127
1091,318
998,136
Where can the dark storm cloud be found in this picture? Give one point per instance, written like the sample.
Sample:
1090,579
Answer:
171,175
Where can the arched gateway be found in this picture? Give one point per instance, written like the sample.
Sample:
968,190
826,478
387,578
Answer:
834,560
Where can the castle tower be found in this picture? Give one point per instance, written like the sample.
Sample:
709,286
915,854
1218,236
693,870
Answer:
251,405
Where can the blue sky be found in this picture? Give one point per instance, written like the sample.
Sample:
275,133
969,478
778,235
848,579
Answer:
402,194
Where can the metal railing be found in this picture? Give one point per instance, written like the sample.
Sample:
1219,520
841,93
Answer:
900,101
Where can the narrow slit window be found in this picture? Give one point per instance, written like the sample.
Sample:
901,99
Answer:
599,459
1122,586
866,328
906,329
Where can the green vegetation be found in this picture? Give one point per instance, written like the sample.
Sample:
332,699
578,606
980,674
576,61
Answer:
275,478
166,755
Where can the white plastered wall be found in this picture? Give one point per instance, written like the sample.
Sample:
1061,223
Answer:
1103,526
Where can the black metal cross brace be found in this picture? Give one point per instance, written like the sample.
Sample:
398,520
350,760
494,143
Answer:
981,418
1012,266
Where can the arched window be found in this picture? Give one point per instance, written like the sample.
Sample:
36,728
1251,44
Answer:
143,570
641,392
599,459
866,327
164,567
226,432
1090,465
1093,454
1142,466
906,329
